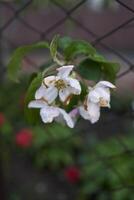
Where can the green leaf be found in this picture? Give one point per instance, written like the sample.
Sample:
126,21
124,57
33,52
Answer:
90,70
54,51
64,42
98,58
54,46
109,69
16,59
32,115
78,47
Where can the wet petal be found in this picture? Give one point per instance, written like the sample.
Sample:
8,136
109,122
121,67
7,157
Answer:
48,114
64,94
67,118
64,71
94,112
37,104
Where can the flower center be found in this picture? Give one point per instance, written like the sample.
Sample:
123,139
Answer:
60,84
103,102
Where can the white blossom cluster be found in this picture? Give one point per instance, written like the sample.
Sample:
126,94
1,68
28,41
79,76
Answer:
61,88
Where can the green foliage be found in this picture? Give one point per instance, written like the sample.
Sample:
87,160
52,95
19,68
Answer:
78,47
14,65
65,50
89,69
53,146
54,46
97,67
32,115
110,168
64,42
57,147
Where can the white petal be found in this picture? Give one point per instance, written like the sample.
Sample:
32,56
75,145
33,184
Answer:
76,88
84,113
93,96
50,80
64,71
37,104
67,118
94,112
48,113
105,84
64,94
104,93
74,114
40,92
50,94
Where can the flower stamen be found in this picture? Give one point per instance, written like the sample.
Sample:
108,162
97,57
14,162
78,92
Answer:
103,102
60,84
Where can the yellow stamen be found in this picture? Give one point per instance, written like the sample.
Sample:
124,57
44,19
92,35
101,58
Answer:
60,84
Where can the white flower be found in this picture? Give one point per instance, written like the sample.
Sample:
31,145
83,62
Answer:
62,85
98,96
49,113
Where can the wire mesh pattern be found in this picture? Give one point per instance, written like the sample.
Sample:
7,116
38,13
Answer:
96,40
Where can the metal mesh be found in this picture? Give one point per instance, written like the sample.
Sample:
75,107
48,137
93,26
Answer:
98,40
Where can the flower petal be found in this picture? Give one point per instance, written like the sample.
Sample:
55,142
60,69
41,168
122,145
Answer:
104,93
76,88
49,81
105,84
94,112
64,94
67,118
40,92
50,94
37,104
48,113
93,96
74,114
84,113
64,71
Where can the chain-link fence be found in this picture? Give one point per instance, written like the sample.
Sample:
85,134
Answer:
24,22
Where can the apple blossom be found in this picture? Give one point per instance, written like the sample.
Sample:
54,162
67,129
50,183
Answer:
98,96
61,84
49,113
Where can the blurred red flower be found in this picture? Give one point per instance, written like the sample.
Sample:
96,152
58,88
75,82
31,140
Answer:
2,119
24,138
72,174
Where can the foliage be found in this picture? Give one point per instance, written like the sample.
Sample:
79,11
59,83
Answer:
58,148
